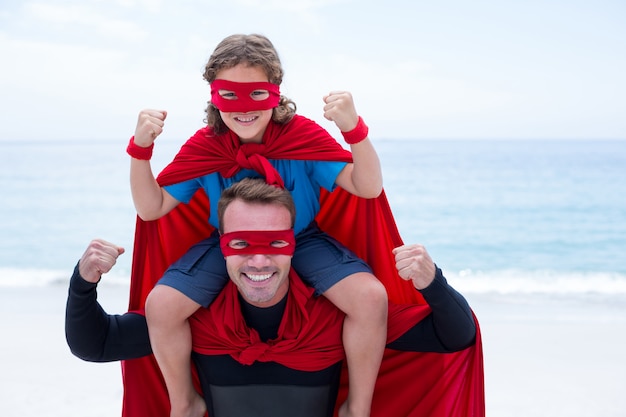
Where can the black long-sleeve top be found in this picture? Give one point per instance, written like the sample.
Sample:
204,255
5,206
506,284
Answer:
94,335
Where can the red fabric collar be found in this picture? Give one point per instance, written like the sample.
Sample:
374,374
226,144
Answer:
309,336
205,152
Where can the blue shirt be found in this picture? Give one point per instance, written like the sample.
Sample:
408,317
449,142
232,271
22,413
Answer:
303,178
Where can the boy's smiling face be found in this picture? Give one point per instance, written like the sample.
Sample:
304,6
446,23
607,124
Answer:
248,126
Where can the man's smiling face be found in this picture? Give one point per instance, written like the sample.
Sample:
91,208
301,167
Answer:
262,279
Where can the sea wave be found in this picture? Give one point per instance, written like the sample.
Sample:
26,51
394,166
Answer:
503,282
33,277
544,282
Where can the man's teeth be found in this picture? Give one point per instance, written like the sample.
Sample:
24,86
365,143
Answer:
258,278
246,119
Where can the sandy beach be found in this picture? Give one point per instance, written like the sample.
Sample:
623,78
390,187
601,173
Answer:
543,357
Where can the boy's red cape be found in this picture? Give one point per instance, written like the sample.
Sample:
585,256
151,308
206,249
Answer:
410,384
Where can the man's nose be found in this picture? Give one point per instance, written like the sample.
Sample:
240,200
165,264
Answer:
259,259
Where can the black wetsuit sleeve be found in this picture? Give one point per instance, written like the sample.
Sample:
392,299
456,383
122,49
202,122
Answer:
95,336
449,328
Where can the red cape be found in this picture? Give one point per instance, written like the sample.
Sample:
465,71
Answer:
311,327
409,384
309,337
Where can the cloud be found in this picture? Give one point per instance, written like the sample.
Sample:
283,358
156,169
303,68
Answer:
300,6
85,19
413,73
404,98
153,6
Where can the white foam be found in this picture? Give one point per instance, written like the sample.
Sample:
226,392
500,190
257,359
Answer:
538,282
34,277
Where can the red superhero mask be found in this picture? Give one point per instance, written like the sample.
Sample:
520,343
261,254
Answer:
254,242
243,99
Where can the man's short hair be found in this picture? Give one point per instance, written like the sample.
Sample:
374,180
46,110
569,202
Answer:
255,191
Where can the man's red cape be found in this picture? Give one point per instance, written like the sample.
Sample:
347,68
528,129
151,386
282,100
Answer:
409,384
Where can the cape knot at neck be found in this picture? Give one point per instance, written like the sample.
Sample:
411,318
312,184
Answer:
249,151
253,353
252,156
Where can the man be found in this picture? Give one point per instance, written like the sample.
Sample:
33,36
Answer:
267,346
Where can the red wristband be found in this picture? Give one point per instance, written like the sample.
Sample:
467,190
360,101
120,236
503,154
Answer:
139,152
358,134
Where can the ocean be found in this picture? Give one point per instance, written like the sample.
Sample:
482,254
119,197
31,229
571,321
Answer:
500,217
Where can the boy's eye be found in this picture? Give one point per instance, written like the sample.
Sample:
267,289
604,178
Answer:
260,94
279,244
228,95
238,244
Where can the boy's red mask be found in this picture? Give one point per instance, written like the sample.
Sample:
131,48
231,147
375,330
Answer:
255,242
244,100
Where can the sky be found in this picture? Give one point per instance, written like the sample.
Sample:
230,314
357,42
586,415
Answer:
449,69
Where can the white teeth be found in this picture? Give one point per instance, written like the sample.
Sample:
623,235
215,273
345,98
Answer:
258,278
246,119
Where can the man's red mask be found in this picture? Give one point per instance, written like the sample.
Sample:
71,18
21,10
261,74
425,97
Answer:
258,242
244,96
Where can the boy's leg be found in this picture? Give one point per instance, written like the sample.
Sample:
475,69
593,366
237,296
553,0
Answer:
167,313
364,300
